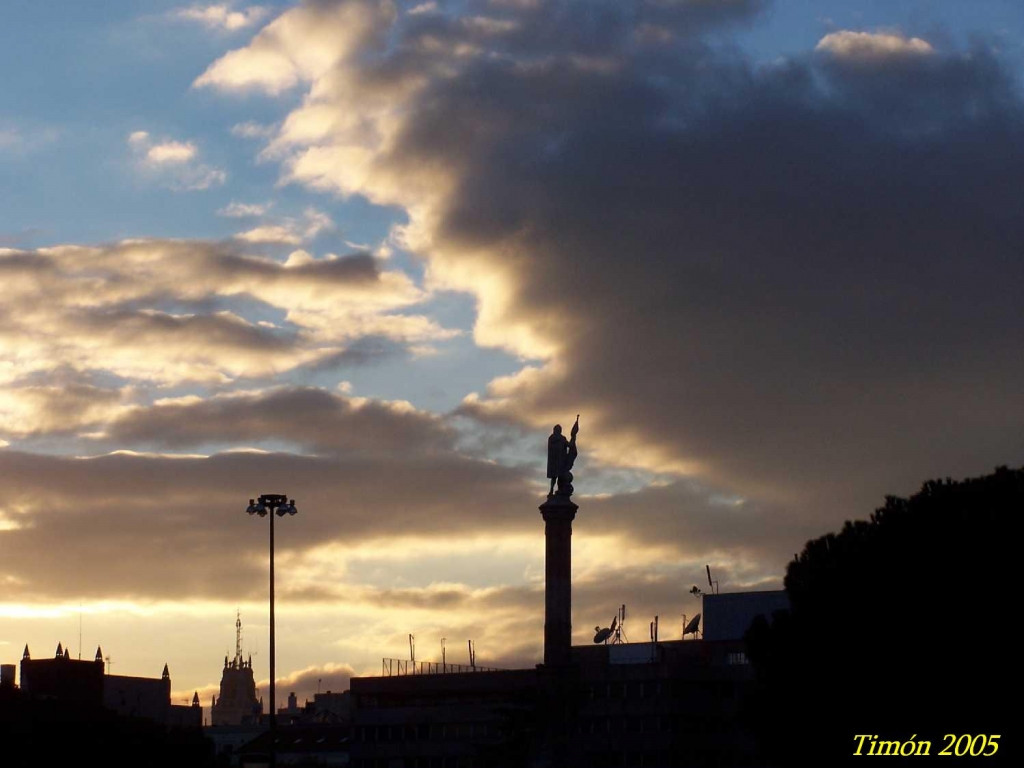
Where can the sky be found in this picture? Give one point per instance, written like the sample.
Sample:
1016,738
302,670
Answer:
366,253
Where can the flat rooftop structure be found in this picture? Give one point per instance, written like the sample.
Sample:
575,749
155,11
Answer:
728,616
671,702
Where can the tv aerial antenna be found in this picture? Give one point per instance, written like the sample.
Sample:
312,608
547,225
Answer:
712,584
620,631
412,648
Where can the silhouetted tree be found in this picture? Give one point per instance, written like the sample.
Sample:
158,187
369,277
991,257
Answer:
900,625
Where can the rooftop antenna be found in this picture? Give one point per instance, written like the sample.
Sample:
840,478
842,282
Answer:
472,654
79,631
654,630
692,627
620,630
712,584
412,648
110,663
444,662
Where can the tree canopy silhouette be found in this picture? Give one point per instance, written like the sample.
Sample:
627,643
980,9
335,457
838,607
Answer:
900,625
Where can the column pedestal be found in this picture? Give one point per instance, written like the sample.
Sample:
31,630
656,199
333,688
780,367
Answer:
558,513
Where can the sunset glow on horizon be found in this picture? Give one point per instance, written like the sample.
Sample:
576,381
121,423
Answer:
365,253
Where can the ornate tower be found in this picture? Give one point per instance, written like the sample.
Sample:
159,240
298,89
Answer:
237,703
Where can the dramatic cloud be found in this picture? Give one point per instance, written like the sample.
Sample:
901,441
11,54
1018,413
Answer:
376,482
115,527
308,418
774,292
299,46
796,281
166,312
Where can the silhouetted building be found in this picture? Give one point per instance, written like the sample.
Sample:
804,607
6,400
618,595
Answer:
326,708
229,740
305,744
728,616
663,703
84,684
292,712
651,704
330,707
69,680
7,672
237,703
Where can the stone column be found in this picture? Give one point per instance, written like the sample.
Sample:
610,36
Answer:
558,512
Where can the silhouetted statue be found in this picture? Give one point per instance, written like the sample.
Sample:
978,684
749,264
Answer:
561,457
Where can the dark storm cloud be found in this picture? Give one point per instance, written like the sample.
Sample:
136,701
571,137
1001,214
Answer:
578,27
310,418
152,527
158,527
800,280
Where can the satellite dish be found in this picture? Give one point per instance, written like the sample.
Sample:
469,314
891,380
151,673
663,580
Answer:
602,635
691,627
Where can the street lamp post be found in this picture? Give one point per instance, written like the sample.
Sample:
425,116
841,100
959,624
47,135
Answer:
270,504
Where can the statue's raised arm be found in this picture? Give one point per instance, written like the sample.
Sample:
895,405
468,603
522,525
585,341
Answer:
561,457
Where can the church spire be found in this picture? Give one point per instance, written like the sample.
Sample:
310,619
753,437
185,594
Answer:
26,655
167,673
60,651
238,639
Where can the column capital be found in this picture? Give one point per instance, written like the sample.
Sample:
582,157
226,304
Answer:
558,508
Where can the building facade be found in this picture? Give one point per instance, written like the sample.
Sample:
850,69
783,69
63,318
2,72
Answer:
85,684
